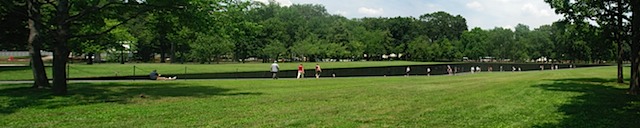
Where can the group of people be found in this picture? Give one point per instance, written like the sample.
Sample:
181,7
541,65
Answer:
450,70
553,67
275,68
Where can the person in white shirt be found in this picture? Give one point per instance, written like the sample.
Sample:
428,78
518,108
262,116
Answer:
408,70
274,70
473,69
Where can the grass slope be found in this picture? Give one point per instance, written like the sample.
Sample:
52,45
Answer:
83,70
563,98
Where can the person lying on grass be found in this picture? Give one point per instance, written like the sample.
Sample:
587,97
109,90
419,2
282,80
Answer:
155,76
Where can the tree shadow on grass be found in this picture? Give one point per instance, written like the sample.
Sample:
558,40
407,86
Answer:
18,96
591,80
15,68
598,105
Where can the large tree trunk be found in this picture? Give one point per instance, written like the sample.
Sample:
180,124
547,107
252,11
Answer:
35,44
619,58
635,47
172,55
60,57
163,48
60,51
619,34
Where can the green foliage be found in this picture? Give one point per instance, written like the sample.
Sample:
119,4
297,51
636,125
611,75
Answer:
207,48
356,49
307,47
475,43
442,25
420,49
275,49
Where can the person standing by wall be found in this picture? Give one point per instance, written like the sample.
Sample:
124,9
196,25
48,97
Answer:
473,69
408,70
318,71
274,69
300,72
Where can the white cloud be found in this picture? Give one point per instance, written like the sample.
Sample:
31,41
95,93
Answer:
508,13
533,10
370,11
432,6
509,27
342,13
475,5
281,2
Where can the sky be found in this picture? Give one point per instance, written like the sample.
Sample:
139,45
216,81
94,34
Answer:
486,14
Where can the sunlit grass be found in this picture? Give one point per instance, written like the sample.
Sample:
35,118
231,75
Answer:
563,98
111,69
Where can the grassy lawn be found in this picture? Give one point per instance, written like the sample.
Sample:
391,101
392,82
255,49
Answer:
83,70
563,98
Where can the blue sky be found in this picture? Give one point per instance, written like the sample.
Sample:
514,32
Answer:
486,14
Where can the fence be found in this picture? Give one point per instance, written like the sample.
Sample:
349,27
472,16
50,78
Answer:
22,53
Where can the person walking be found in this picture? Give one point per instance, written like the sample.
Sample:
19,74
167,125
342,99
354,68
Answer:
318,71
473,69
408,70
274,69
300,72
429,71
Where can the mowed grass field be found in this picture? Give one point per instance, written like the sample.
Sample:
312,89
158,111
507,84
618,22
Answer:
141,69
585,97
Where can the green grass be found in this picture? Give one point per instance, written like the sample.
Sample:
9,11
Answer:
83,70
17,60
563,98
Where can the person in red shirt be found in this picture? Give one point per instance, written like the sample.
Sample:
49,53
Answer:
300,72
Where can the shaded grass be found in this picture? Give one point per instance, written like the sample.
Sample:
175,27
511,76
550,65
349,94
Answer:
96,70
563,98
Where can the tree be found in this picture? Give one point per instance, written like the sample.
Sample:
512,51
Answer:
207,48
475,43
442,25
543,46
355,49
36,43
523,40
502,43
274,49
13,22
307,47
65,19
419,49
635,48
611,14
402,30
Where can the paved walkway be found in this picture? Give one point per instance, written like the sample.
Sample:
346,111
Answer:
12,65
